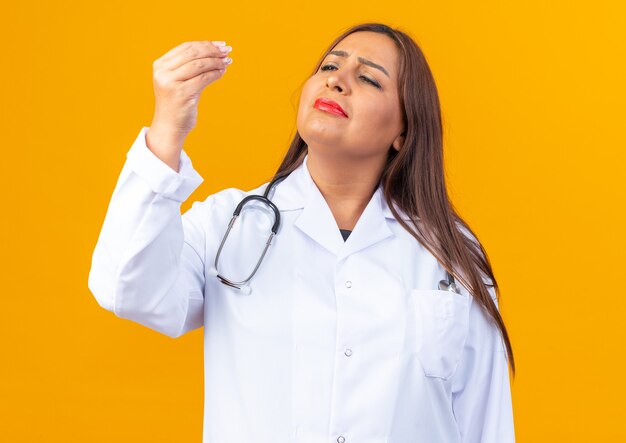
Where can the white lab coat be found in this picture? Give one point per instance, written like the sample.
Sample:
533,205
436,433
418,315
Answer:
336,342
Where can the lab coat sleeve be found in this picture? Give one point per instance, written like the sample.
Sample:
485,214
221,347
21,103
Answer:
481,394
148,263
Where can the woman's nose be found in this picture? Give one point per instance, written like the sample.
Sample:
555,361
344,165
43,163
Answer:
335,81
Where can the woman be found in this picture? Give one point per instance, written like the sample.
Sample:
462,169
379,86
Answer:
360,338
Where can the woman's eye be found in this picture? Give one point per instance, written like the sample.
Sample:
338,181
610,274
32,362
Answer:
368,80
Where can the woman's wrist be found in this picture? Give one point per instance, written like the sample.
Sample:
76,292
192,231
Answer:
166,144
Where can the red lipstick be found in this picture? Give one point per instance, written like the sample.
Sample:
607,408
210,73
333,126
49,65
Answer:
328,105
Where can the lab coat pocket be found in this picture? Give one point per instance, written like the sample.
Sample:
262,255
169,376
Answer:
442,322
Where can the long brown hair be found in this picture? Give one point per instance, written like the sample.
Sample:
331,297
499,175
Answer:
413,177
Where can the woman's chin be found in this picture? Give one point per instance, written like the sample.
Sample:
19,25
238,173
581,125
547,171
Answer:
320,131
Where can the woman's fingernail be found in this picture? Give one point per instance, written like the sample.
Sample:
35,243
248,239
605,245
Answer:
226,48
218,43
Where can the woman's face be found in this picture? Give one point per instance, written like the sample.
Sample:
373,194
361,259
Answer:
367,94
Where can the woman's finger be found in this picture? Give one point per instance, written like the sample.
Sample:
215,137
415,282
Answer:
198,66
185,53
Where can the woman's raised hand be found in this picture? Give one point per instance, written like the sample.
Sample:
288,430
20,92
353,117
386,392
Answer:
179,76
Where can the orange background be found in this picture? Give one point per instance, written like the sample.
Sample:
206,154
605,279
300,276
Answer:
533,104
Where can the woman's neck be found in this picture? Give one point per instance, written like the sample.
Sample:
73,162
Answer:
347,186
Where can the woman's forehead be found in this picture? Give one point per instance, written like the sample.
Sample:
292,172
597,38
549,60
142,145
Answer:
375,47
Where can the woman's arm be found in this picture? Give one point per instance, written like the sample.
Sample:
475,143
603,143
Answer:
481,394
148,263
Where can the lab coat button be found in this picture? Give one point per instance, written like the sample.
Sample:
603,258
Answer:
341,439
348,352
348,284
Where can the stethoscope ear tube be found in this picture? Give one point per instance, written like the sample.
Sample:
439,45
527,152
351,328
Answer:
262,199
244,285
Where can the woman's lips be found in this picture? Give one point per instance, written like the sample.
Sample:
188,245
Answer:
327,105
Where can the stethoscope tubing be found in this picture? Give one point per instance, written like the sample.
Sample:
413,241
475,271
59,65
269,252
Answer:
265,200
448,284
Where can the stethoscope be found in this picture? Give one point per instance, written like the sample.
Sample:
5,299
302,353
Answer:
445,285
448,284
244,285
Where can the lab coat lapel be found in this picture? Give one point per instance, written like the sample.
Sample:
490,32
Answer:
317,221
371,228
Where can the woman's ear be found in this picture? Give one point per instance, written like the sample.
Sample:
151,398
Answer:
398,142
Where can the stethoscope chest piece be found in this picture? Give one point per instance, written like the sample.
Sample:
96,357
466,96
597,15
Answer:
449,284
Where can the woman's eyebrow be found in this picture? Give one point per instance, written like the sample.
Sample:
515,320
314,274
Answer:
365,61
